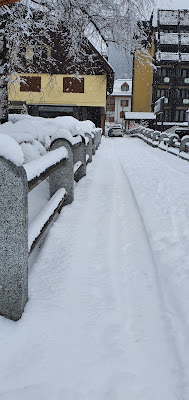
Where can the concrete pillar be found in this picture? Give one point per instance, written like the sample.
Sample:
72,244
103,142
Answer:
13,240
79,154
63,177
89,148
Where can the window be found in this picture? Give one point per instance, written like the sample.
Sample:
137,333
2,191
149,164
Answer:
180,115
124,103
183,73
184,29
166,115
169,29
30,83
125,87
182,93
121,114
162,92
111,119
164,72
73,85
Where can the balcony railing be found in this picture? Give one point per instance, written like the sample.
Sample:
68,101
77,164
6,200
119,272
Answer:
169,38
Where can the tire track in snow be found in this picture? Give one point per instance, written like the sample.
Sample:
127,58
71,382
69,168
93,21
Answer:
172,333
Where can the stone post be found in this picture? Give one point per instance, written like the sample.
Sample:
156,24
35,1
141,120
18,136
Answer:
63,177
13,239
183,142
89,148
93,141
99,137
79,154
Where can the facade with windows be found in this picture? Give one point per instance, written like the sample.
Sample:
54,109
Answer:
171,58
61,86
119,101
161,69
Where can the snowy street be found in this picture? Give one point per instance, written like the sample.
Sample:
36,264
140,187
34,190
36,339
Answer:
107,316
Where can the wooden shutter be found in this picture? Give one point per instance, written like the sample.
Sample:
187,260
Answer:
30,83
73,85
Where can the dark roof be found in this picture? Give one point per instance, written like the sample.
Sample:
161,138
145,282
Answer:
88,61
7,2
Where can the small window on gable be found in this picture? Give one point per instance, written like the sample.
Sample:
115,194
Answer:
30,83
125,87
124,103
73,85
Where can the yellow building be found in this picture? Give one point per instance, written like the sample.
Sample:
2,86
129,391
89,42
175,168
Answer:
55,89
142,84
54,95
143,80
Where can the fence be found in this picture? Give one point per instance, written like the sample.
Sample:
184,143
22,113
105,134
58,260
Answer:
64,162
171,143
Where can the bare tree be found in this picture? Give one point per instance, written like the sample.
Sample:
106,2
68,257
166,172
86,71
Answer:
35,21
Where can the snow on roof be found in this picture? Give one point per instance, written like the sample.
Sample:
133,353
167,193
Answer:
94,36
117,87
139,115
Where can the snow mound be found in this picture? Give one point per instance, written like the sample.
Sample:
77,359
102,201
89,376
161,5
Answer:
35,134
32,151
11,150
65,134
36,167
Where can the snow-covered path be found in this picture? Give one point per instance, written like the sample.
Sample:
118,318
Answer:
105,319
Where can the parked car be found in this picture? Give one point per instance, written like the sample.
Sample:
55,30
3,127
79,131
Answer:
115,131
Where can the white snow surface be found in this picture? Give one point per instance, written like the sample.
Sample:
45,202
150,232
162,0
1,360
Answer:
65,134
10,150
107,316
36,167
77,165
37,225
46,127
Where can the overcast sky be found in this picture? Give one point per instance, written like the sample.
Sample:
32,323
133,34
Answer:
123,63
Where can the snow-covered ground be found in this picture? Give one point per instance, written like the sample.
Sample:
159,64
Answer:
107,317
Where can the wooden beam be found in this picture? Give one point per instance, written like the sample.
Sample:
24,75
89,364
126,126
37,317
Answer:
7,2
